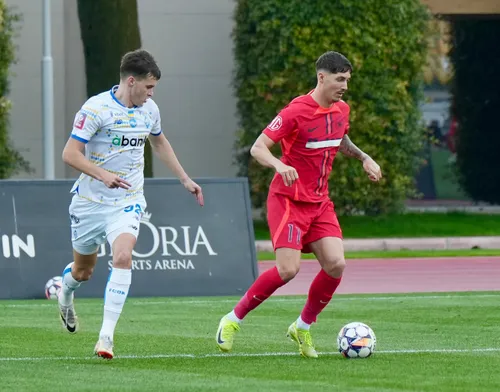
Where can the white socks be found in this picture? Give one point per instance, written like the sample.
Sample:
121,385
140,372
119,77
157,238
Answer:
301,324
114,299
232,316
69,285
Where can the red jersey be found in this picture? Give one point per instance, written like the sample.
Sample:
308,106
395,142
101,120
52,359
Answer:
310,137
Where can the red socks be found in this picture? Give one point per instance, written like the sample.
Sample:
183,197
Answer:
320,294
261,289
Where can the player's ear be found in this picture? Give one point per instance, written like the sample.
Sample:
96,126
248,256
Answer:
130,81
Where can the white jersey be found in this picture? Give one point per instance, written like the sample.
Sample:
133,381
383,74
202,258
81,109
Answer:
114,138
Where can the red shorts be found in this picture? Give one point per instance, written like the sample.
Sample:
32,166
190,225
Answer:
295,224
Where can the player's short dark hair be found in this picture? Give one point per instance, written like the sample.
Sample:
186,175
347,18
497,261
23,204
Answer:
333,62
139,64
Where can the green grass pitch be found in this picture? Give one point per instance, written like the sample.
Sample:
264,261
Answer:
425,342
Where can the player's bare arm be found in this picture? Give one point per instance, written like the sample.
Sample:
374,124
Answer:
163,150
261,151
348,148
73,156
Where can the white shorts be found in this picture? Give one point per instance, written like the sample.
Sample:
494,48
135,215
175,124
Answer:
92,223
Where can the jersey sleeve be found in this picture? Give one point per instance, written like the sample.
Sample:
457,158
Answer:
347,122
282,125
155,118
156,128
87,122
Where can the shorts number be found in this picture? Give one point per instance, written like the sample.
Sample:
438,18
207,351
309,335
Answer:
291,228
137,210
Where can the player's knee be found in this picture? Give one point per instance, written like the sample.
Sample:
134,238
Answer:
122,259
335,266
288,272
288,263
82,274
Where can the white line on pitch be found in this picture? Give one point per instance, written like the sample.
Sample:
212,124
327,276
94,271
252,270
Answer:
243,355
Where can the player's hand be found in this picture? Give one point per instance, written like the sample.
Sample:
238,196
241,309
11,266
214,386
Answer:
372,169
195,189
113,181
288,173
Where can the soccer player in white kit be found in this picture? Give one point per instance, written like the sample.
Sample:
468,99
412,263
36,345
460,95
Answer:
107,146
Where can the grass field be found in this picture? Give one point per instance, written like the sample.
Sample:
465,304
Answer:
431,342
396,254
410,225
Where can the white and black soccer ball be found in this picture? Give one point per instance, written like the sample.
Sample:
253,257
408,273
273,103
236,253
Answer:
53,287
356,340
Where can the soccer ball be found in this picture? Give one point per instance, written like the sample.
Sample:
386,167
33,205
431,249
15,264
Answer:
356,340
53,287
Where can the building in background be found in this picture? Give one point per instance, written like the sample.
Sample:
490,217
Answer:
191,40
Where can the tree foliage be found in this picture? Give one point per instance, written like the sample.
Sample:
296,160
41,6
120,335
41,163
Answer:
11,161
276,45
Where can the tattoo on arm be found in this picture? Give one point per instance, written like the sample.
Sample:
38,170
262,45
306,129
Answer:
348,148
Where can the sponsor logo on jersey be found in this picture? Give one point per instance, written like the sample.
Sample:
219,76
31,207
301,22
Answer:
125,141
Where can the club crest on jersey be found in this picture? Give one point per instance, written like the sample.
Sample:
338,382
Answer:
133,122
275,124
80,120
146,119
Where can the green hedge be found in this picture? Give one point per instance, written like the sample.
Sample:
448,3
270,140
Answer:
476,93
109,29
276,45
11,161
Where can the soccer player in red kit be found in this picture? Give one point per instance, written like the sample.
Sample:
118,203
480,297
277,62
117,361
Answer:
312,128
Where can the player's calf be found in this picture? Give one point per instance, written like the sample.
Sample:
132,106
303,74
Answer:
116,293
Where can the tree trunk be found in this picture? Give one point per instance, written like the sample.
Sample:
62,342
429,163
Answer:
109,29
